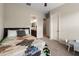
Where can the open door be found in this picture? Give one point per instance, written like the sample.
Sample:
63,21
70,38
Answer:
44,27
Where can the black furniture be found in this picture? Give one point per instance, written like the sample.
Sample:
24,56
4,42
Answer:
34,33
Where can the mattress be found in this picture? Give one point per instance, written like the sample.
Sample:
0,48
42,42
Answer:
15,40
14,51
19,50
11,41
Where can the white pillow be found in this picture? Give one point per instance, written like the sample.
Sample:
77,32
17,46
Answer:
12,33
27,31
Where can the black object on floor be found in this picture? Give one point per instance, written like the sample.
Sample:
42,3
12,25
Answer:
46,50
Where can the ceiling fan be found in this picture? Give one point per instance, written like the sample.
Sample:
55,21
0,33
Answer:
29,4
45,4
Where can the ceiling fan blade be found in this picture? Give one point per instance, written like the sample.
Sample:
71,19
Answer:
29,4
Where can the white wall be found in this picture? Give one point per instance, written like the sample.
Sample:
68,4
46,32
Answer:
1,21
19,15
69,21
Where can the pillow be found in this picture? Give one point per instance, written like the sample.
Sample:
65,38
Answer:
12,33
26,31
21,33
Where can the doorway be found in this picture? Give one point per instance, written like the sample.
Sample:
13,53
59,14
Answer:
34,26
45,27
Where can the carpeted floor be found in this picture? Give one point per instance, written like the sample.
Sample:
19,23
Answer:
56,48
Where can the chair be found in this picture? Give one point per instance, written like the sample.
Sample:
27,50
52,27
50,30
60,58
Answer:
76,46
70,44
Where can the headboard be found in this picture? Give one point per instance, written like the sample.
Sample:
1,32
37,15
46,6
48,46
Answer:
6,31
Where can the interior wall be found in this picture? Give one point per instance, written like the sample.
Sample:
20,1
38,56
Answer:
19,15
68,21
1,21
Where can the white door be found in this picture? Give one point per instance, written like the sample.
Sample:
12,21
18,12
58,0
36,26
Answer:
54,29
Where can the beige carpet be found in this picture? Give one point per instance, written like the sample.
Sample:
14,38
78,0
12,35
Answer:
56,48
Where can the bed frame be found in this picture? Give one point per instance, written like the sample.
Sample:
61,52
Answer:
6,31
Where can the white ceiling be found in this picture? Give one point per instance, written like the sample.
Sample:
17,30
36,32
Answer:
40,6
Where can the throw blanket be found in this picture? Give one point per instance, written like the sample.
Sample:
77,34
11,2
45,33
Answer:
25,42
2,48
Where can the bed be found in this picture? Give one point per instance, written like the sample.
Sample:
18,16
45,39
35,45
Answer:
15,46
